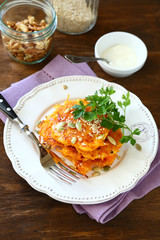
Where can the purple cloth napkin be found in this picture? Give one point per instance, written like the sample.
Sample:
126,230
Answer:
106,211
60,67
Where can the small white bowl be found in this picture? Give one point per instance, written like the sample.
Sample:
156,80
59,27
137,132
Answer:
122,38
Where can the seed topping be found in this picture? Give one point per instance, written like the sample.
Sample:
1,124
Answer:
79,126
111,140
73,140
71,125
60,126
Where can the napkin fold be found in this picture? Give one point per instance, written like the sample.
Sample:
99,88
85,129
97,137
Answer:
60,67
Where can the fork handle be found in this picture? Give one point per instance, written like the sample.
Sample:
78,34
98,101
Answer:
9,112
6,108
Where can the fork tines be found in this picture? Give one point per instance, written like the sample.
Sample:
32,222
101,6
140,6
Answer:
65,173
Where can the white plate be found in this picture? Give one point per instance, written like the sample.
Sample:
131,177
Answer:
25,158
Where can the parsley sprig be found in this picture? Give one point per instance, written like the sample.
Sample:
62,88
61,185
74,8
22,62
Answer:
103,108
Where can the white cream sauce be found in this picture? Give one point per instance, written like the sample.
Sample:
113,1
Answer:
120,56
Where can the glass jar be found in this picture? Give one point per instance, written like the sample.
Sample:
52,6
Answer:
27,29
76,16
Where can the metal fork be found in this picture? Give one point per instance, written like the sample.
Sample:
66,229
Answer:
49,160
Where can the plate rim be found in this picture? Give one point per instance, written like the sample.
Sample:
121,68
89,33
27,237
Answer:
76,78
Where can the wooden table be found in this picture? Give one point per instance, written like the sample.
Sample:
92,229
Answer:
27,214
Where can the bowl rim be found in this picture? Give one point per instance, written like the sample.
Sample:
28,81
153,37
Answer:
116,69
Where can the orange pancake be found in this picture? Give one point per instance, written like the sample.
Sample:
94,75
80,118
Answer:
83,142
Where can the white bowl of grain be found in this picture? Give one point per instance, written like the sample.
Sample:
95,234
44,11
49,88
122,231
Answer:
125,52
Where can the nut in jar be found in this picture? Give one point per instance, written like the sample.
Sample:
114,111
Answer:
28,40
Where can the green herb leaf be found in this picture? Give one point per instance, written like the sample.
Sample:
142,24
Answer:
89,116
107,91
103,108
106,123
133,141
120,104
78,113
136,131
116,127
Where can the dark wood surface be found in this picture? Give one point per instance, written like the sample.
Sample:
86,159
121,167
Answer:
27,214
